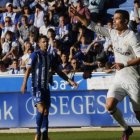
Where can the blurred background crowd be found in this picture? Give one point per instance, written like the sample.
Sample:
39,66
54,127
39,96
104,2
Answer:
77,49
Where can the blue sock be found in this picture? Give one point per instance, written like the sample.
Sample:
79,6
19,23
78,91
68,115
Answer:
39,120
45,128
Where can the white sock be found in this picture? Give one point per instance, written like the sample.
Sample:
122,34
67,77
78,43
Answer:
117,115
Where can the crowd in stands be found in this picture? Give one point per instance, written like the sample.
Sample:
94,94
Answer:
77,49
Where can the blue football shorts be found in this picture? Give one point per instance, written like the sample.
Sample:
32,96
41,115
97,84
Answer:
41,96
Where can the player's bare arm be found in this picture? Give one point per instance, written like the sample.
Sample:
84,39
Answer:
132,62
65,77
26,76
72,83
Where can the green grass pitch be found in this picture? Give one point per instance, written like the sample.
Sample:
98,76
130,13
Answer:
91,135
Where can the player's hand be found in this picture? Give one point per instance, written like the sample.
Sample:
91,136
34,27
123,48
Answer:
72,83
118,66
23,88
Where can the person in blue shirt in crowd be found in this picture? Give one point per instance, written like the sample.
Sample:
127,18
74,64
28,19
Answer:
39,66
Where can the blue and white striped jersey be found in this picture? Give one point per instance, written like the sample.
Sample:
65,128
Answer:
40,63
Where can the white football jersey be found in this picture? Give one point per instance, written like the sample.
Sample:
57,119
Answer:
126,47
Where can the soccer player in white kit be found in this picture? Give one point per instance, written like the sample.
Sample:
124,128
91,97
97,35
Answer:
127,59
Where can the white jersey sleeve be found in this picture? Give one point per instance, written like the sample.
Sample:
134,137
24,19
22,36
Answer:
135,44
99,29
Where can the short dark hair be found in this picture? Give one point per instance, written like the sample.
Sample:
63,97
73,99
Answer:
124,13
42,36
9,33
51,31
136,1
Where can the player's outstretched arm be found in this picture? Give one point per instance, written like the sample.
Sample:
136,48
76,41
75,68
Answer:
72,83
90,24
66,78
26,76
133,62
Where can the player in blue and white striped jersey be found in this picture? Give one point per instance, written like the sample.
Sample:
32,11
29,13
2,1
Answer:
40,63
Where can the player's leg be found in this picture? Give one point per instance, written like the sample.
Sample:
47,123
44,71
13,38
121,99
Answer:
117,115
45,126
111,104
116,94
134,95
136,105
46,99
137,115
39,120
37,98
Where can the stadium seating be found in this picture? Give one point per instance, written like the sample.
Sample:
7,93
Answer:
128,3
112,10
120,4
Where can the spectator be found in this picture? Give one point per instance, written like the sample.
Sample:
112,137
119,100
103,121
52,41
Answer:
3,69
56,10
33,40
25,58
97,37
14,68
110,54
9,13
100,67
83,43
42,3
63,29
7,44
108,68
89,34
75,48
51,36
26,11
101,56
3,3
8,26
64,66
74,66
58,48
66,4
19,4
63,33
74,33
14,53
135,16
87,60
53,12
27,45
108,42
39,14
81,10
89,63
47,25
24,30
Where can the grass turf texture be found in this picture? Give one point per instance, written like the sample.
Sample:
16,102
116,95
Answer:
92,135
